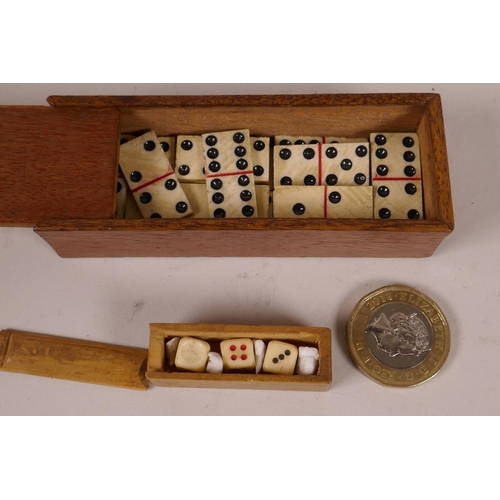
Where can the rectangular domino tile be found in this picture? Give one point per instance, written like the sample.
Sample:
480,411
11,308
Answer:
152,179
189,161
332,202
346,164
396,176
198,198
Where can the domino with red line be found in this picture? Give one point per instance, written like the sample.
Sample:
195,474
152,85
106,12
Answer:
396,176
323,202
229,174
237,354
395,156
289,140
345,164
152,179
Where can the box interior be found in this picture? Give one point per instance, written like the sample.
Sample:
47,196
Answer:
268,121
160,334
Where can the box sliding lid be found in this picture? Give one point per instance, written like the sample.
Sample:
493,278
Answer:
57,163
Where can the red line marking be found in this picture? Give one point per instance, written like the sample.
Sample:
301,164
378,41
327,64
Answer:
142,186
396,179
324,140
320,164
226,174
324,204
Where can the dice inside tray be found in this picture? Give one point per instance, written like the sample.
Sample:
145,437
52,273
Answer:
215,346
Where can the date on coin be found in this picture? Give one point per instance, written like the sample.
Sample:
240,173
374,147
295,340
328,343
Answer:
398,336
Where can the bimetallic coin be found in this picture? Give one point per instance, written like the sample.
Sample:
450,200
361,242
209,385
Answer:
398,336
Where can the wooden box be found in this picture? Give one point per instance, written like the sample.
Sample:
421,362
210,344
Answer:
59,171
161,375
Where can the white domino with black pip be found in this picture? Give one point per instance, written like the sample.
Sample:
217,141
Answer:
152,179
189,162
297,165
229,174
345,164
261,151
396,176
323,202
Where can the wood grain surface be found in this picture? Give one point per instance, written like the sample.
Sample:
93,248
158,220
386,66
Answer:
163,376
71,359
355,115
277,238
57,163
152,101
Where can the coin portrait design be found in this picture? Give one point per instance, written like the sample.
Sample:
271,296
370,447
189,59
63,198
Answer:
398,336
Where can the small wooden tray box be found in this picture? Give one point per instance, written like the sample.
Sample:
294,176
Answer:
59,171
161,375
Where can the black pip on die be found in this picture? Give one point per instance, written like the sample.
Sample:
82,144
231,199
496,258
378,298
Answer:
230,176
152,179
396,176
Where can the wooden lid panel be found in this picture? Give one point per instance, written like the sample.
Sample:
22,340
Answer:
57,163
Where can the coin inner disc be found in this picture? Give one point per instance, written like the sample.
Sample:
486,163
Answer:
399,335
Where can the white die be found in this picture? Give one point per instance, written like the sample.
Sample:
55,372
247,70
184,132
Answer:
280,358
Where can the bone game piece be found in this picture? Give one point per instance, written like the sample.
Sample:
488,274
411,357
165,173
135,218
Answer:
189,162
215,364
171,350
151,179
280,358
237,354
260,351
192,354
307,363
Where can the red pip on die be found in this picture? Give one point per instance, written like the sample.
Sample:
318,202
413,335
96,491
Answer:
237,354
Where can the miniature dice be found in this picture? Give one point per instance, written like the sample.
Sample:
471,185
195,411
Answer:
192,354
398,199
280,358
237,354
297,165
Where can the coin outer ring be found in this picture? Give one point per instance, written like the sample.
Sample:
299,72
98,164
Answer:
371,366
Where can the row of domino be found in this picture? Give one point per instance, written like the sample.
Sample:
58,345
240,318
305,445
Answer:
214,176
243,355
393,191
328,178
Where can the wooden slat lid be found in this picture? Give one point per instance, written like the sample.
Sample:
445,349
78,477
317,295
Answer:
72,359
57,163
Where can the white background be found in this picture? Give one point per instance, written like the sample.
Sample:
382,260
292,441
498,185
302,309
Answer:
114,300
